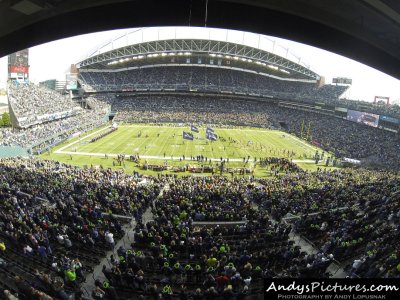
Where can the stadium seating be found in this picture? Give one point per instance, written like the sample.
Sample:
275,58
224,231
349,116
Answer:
221,111
42,230
56,224
217,80
343,138
201,237
33,104
186,109
207,80
49,118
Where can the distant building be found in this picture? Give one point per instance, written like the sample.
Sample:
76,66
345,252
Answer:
50,84
55,85
71,78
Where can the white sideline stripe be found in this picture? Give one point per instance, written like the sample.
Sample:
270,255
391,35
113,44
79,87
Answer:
167,157
303,142
77,141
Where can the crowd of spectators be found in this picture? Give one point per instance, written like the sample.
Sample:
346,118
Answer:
345,139
219,79
34,104
346,213
218,119
207,79
57,221
100,102
206,109
375,147
31,102
44,135
278,165
190,109
206,199
379,109
175,256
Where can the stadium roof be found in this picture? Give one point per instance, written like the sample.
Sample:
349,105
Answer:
366,30
108,54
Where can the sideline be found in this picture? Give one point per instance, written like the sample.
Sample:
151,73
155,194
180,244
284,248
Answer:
168,157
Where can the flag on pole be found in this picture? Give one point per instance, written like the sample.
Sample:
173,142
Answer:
211,136
209,130
194,129
187,135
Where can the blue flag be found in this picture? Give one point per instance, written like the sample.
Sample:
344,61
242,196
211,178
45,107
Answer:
194,128
211,136
187,135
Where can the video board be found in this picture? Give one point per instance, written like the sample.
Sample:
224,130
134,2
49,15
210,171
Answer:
363,117
18,65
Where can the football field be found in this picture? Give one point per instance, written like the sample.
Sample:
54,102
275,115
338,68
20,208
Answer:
164,145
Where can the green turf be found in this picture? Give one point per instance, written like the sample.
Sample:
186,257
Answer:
157,141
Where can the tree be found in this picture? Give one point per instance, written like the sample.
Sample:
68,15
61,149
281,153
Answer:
1,122
6,119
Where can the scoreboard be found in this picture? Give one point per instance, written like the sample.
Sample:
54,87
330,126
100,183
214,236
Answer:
18,65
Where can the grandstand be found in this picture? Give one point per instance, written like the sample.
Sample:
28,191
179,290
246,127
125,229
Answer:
217,230
43,118
199,66
30,105
173,80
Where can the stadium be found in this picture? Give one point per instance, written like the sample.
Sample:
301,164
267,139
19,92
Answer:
192,168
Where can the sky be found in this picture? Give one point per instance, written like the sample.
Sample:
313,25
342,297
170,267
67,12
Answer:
52,60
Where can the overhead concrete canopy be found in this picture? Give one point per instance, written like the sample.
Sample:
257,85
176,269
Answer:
365,30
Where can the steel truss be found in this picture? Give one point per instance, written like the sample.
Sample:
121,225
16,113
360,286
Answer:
199,46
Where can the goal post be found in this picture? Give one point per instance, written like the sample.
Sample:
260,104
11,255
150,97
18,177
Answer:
378,99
